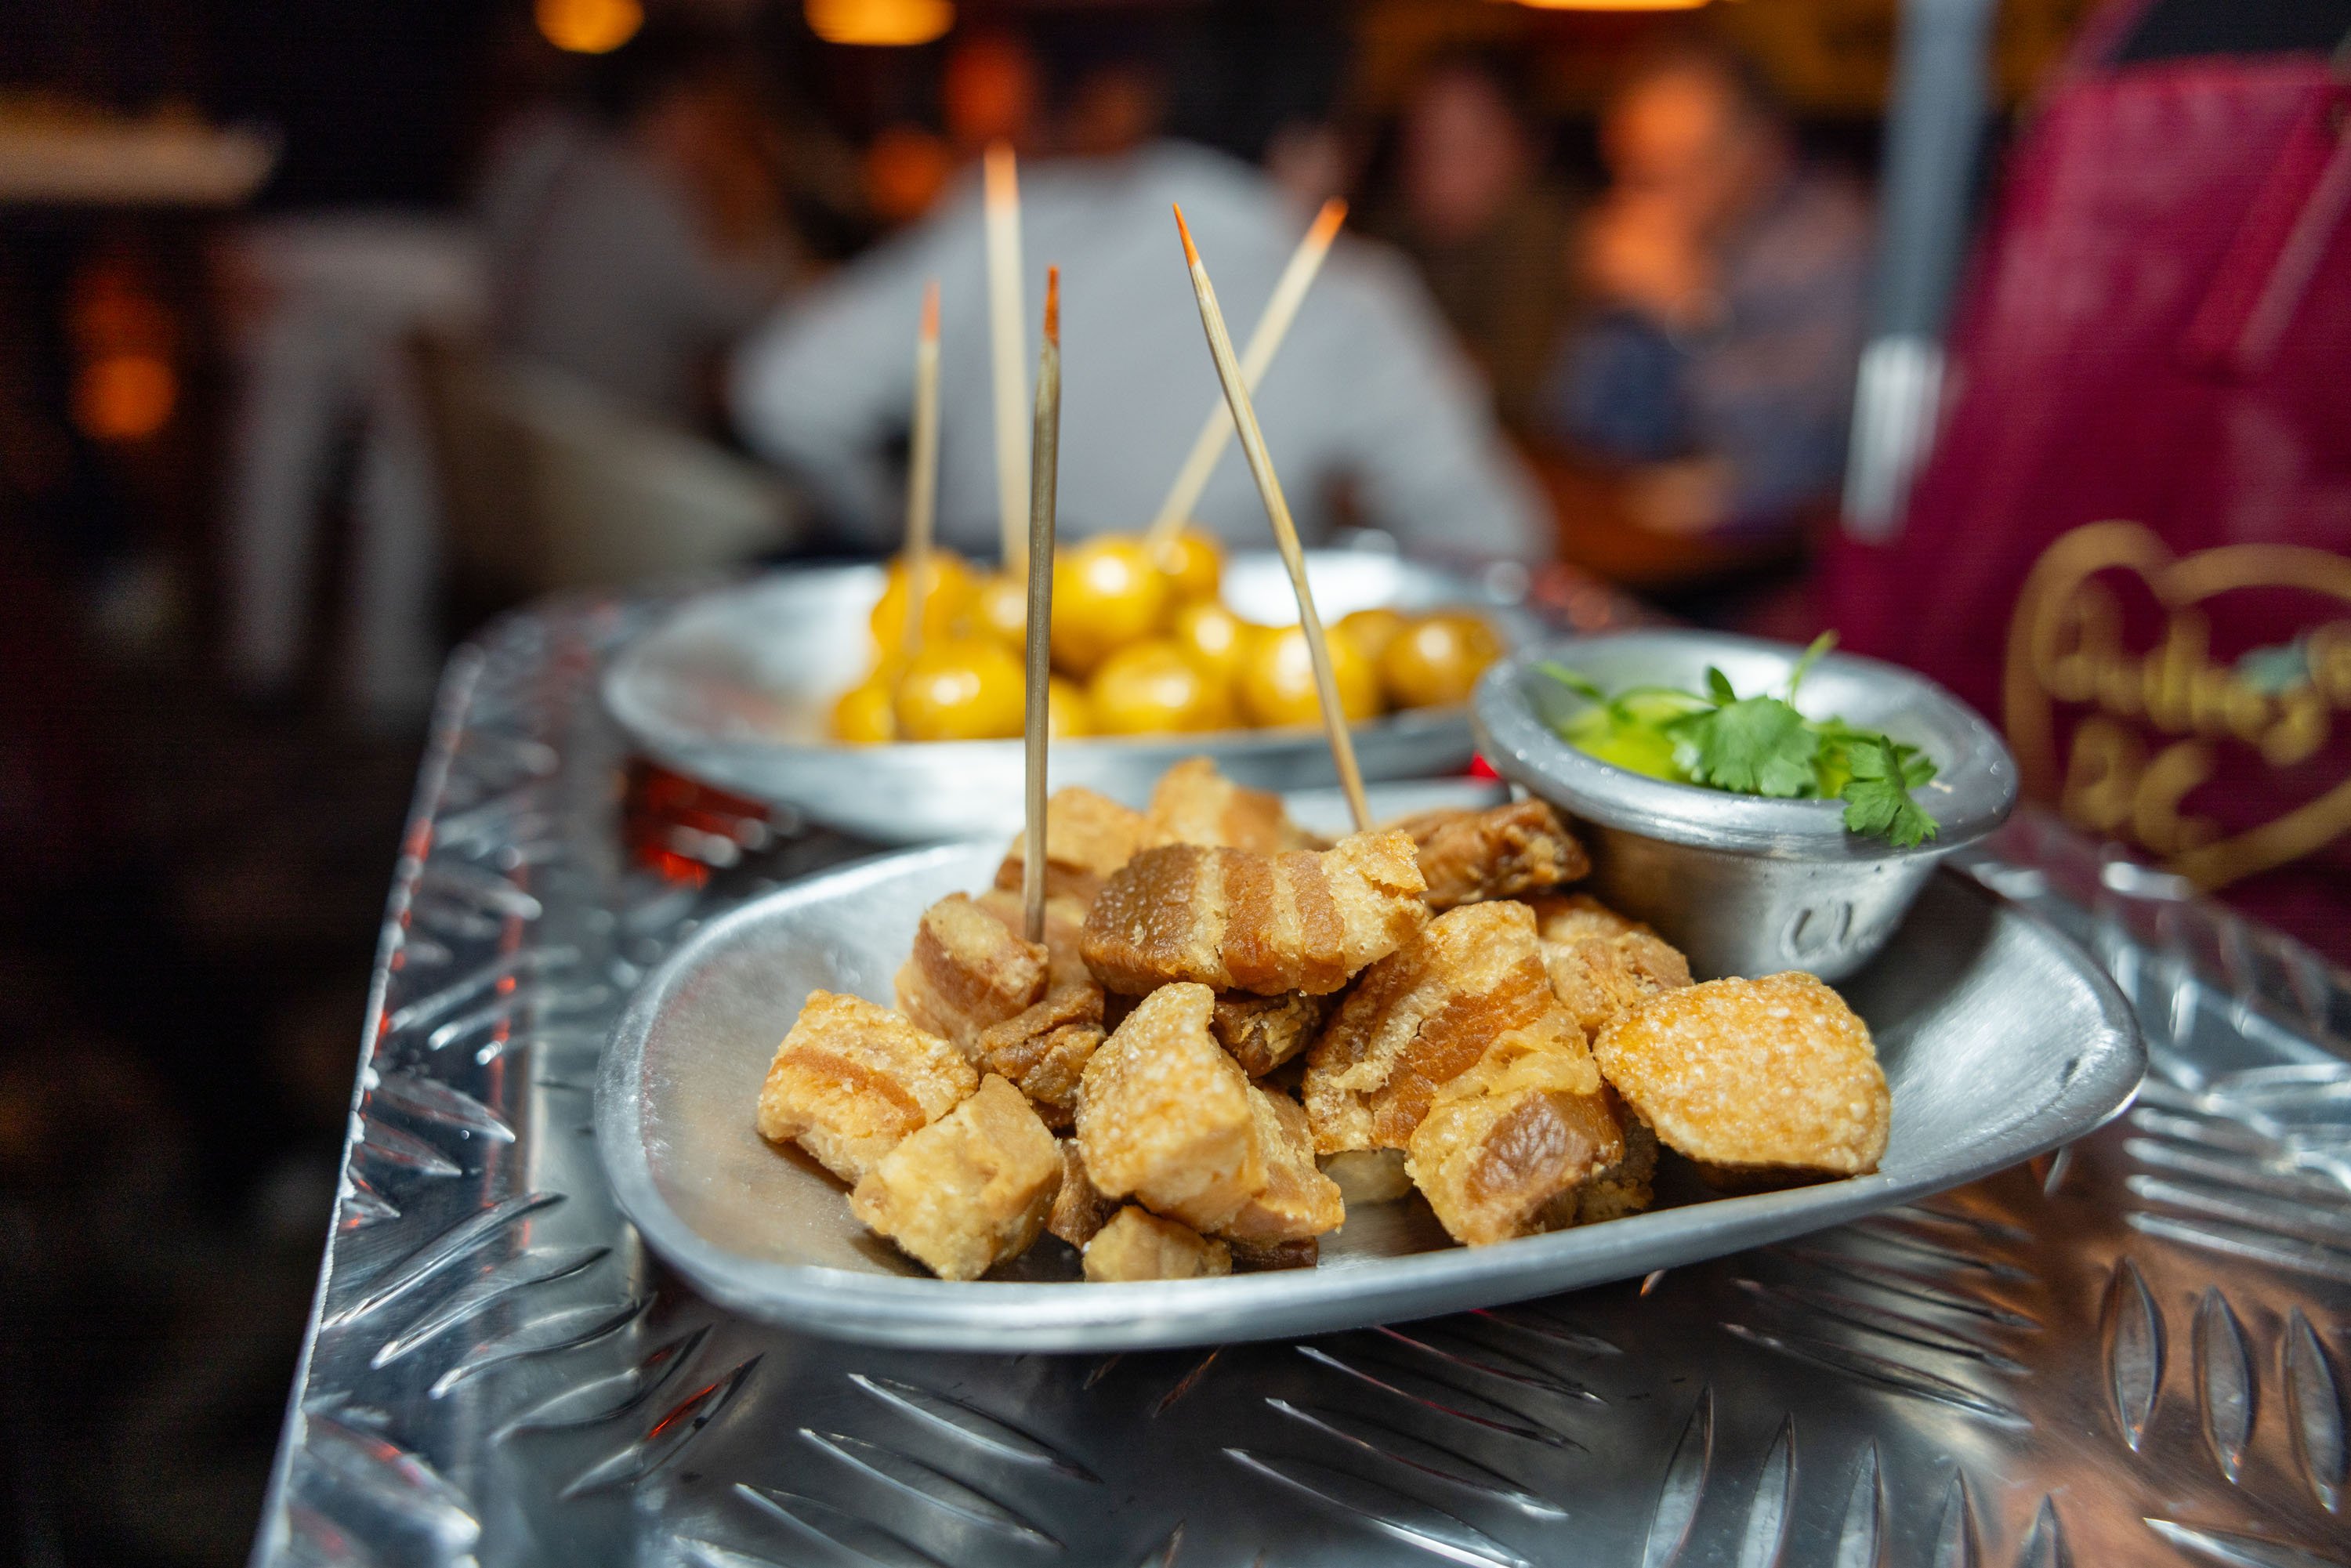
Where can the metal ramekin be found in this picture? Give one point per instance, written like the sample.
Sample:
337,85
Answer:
1743,885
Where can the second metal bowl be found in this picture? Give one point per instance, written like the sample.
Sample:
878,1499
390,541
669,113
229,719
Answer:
1745,884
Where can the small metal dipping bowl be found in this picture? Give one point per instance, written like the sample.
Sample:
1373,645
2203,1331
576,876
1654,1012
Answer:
1742,883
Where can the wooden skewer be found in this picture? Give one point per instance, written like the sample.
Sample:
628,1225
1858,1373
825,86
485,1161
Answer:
1037,713
922,474
1265,341
1008,334
1285,532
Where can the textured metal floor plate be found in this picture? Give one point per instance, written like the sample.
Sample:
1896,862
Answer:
2132,1351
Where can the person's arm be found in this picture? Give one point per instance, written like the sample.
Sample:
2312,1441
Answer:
1420,436
824,386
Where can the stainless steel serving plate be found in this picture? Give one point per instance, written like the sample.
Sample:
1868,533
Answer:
1999,1039
1743,885
737,685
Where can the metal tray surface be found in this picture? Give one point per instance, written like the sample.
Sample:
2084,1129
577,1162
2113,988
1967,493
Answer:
736,688
2129,1350
1999,1040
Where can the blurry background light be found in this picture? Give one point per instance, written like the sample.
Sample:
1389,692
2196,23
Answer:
1612,5
589,27
880,21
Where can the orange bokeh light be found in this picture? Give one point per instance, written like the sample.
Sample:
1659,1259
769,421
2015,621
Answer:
124,397
588,26
879,22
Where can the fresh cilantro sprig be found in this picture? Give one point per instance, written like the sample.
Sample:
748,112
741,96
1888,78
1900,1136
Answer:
1758,745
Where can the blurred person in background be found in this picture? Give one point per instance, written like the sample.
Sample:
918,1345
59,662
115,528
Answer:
1729,286
1369,396
1488,230
630,247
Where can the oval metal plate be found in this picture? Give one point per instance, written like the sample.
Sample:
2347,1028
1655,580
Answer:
1999,1040
736,688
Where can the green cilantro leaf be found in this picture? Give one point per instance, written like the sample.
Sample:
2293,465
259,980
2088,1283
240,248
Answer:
1582,685
1810,656
1877,796
1759,745
1718,686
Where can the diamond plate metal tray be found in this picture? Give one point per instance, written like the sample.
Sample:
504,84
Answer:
2129,1350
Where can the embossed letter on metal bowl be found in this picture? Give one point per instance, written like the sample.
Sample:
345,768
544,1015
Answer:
1999,1039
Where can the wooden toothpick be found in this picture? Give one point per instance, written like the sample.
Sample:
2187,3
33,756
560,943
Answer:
1285,532
1044,463
1008,334
922,474
1265,341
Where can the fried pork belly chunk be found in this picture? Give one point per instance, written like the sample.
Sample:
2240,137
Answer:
1237,920
1508,1145
1087,837
1263,1032
1164,1115
1768,1081
1426,1014
967,971
1065,927
969,1190
1194,804
1602,964
1043,1049
1505,852
1297,1202
1139,1245
1079,1208
851,1079
1367,1176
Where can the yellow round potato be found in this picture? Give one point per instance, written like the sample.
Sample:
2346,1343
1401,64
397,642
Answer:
1152,689
1195,564
1214,638
950,592
1436,659
1277,683
997,608
964,689
865,714
1370,631
1068,714
1106,594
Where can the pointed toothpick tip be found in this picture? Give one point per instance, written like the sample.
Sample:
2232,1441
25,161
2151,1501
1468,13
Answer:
1053,305
1191,251
931,311
1327,221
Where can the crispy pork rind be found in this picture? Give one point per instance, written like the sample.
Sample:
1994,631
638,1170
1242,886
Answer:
1087,838
1236,919
1297,1202
1043,1049
1079,1208
1426,1014
967,971
1367,1176
1194,804
1768,1082
1602,964
969,1190
1139,1245
1503,851
1065,929
1164,1113
1508,1145
1263,1032
851,1079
